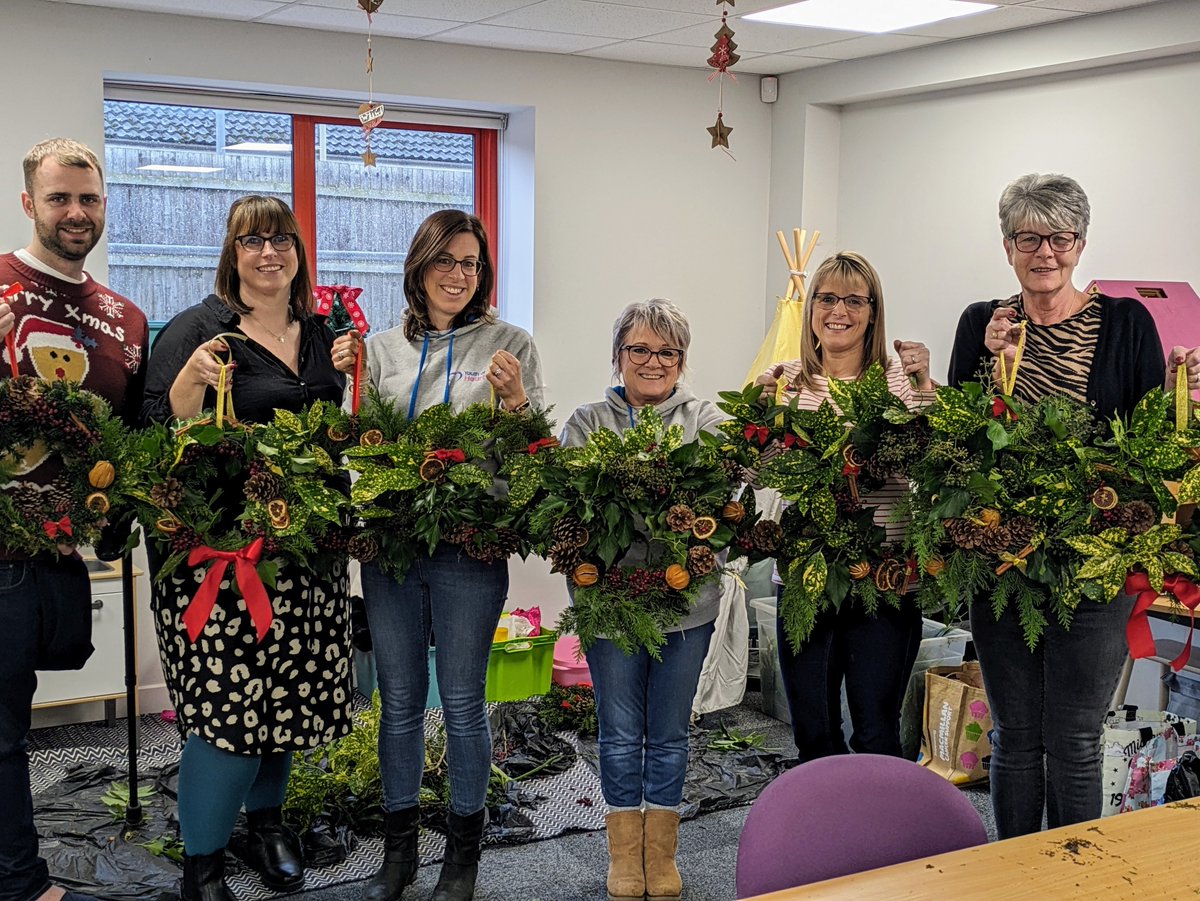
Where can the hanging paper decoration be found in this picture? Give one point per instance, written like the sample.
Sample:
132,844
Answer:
370,113
339,303
723,56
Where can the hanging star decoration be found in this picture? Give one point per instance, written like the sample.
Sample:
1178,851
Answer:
370,113
723,56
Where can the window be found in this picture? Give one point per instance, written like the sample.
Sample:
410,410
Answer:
172,171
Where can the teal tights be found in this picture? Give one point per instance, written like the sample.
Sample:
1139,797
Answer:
214,785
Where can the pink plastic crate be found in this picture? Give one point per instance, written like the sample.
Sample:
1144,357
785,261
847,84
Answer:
567,669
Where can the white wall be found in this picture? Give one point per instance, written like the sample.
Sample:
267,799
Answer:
629,200
912,180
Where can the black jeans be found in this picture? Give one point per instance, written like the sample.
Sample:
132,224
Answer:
45,609
873,654
1048,707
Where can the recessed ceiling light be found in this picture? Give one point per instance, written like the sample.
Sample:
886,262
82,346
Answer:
159,168
872,16
260,145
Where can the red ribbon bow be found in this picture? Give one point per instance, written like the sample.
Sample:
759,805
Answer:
451,456
759,432
1137,630
851,469
325,295
541,443
245,562
62,527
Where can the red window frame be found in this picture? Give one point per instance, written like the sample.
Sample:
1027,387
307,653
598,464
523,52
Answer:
304,176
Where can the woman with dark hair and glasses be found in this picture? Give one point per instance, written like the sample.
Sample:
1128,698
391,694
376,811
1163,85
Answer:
1048,704
451,349
872,653
245,707
644,705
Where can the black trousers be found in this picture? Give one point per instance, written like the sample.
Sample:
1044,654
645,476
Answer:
873,655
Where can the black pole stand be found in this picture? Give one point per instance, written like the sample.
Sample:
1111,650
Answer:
133,813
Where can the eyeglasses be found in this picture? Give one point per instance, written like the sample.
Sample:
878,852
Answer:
280,243
1031,242
446,263
854,303
669,357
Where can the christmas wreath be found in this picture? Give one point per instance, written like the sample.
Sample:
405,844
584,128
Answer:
637,521
269,492
833,549
74,431
1005,491
468,478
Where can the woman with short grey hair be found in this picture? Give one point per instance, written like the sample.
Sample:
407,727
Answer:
1048,704
644,705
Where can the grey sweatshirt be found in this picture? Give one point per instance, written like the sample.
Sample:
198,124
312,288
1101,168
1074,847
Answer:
449,367
681,408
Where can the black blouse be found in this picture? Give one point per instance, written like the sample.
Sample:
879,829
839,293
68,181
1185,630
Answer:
262,383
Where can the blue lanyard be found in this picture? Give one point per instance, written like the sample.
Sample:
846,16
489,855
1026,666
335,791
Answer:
412,401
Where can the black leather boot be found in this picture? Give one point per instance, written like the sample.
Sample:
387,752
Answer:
399,855
461,863
273,850
204,878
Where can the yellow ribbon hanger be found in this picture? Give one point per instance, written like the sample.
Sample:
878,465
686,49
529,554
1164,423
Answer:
1008,381
1183,398
224,407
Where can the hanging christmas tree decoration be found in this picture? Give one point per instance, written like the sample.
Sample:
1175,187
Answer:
339,303
723,56
370,113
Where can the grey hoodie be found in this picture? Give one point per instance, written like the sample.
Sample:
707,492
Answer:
681,408
449,366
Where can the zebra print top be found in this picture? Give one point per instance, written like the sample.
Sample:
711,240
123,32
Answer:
1057,358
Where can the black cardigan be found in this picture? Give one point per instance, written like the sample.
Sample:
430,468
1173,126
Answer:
1128,362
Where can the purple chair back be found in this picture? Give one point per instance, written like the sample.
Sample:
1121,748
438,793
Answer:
844,814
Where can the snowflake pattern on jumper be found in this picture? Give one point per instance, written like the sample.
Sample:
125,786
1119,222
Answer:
111,306
133,357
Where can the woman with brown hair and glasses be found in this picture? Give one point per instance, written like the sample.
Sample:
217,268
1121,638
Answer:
245,707
872,653
451,349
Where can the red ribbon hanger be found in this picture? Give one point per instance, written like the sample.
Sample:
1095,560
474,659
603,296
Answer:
10,340
326,296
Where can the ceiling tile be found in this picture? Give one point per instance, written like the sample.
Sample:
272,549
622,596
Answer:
453,10
214,9
693,6
659,54
778,64
1088,6
520,39
755,37
355,20
869,45
598,19
1001,19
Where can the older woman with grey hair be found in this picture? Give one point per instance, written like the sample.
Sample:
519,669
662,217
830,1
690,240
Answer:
643,704
1048,704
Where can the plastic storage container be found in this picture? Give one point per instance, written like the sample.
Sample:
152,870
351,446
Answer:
521,668
366,679
770,677
1184,694
569,667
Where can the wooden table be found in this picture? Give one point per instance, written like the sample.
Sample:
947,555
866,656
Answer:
1146,854
1164,607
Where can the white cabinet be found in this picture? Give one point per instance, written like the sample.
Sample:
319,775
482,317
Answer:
103,676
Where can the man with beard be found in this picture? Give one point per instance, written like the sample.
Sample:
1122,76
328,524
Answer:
65,325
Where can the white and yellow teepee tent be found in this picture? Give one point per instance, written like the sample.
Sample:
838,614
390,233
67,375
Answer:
783,337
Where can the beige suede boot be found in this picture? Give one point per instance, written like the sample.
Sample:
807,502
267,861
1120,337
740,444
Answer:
663,882
626,879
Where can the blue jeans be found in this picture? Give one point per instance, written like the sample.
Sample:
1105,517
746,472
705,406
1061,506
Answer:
461,600
45,611
873,654
644,707
1048,708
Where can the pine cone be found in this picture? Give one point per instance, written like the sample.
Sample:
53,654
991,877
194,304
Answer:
996,539
23,393
28,502
767,536
363,548
1139,516
964,534
58,496
570,531
1182,547
680,518
734,471
507,543
459,533
701,560
1020,530
263,486
564,558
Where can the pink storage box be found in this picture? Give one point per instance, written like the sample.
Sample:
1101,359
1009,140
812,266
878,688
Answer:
569,667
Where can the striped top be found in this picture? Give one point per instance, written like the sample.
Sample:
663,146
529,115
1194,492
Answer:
886,498
1057,358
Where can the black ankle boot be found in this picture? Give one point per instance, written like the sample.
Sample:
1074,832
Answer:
461,864
399,855
204,878
273,850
